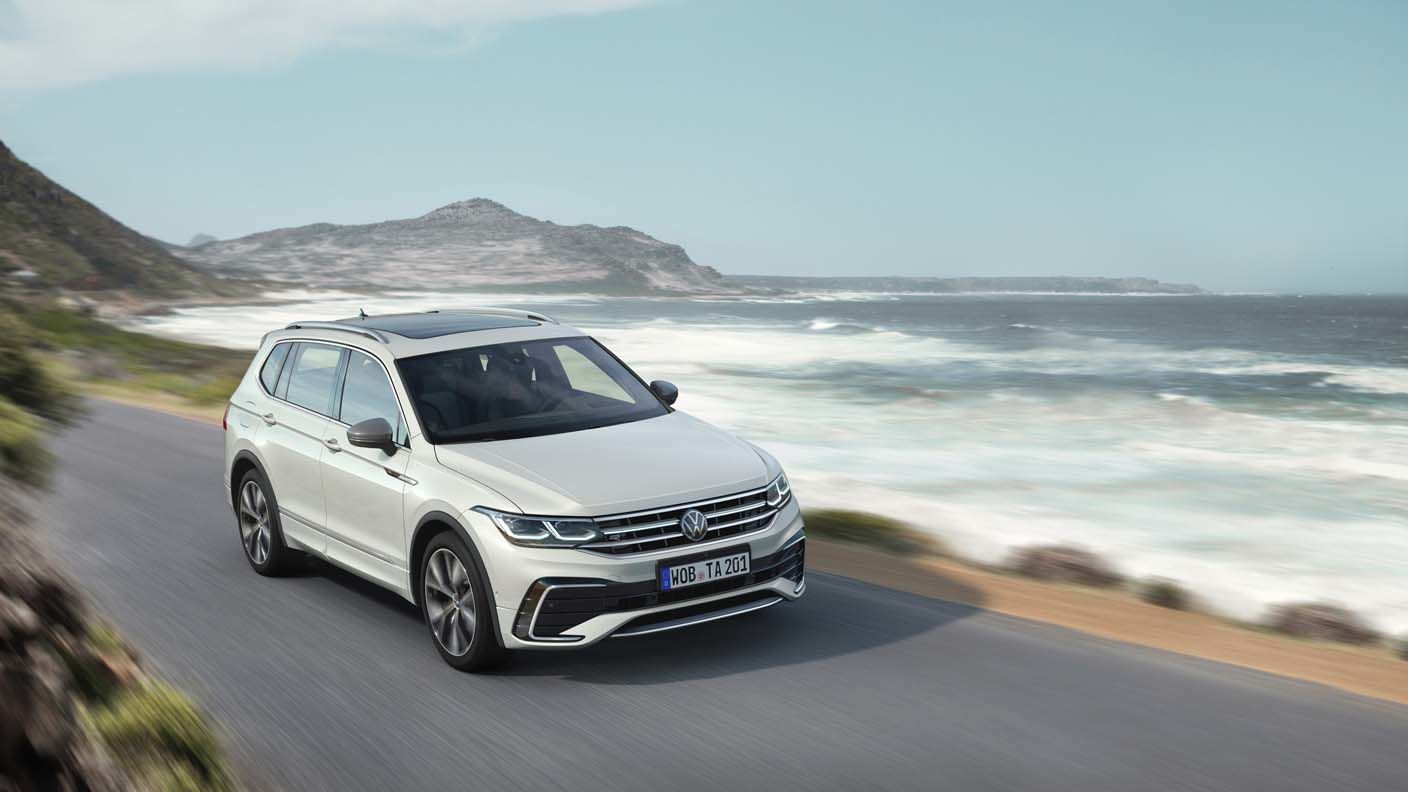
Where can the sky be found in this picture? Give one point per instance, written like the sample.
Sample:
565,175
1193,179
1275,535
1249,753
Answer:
1251,146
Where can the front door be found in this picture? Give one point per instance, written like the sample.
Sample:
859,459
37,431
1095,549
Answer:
365,521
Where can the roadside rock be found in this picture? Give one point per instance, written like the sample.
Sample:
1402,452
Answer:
17,621
1065,564
43,742
1318,621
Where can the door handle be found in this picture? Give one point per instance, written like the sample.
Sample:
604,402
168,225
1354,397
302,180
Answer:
332,445
269,419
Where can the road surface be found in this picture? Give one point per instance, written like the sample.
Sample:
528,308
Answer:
322,682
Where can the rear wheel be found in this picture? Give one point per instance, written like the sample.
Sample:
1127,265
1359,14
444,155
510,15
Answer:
456,607
261,534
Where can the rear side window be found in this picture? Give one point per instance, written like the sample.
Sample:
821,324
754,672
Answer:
269,375
312,376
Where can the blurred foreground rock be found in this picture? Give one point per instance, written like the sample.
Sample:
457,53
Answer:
1065,564
43,742
1320,621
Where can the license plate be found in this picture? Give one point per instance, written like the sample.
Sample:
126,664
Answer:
673,577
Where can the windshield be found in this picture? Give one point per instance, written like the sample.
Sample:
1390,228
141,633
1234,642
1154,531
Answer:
523,389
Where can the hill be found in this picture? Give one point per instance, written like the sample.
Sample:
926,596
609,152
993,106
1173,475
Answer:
52,239
469,244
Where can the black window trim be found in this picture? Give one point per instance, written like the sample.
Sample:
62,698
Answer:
277,374
338,382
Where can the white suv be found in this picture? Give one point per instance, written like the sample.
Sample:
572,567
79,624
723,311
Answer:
507,474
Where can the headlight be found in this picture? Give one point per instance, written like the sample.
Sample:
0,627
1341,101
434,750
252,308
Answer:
543,531
779,490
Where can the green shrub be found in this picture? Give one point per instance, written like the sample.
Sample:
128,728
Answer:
867,528
102,665
23,380
215,390
175,778
157,732
23,456
1165,594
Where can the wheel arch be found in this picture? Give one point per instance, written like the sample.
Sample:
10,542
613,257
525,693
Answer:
243,462
430,525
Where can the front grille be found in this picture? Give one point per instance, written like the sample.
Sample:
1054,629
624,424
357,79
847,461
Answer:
642,532
555,605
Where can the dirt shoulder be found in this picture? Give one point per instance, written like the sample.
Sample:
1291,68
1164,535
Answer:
1367,671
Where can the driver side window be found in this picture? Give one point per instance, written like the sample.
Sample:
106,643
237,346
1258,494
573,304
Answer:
367,393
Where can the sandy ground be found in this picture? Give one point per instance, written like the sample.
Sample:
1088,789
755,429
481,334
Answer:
1115,615
1118,616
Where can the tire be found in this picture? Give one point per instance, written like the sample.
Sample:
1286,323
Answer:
456,607
261,534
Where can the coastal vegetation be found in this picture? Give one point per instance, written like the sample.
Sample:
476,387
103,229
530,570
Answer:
99,358
1165,593
80,713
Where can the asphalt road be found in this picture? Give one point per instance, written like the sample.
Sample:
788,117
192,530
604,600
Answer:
325,683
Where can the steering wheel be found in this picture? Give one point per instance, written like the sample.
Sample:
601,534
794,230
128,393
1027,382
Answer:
433,417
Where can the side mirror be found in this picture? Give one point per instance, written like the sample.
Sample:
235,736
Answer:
372,433
665,390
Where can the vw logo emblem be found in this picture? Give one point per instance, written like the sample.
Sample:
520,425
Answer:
694,525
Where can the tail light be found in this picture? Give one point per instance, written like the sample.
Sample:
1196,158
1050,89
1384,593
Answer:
225,419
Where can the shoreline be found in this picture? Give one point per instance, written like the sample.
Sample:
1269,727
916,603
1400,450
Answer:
1114,615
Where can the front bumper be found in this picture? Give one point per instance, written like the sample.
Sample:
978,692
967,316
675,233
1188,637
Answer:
523,580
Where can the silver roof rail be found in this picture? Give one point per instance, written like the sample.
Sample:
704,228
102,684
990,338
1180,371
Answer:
510,312
361,331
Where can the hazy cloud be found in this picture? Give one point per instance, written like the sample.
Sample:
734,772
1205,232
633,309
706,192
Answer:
49,43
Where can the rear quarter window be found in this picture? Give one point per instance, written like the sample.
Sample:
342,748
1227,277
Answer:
269,374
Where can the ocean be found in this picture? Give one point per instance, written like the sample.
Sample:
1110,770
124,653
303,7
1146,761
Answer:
1254,448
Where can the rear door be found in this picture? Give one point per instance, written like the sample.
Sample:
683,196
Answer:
297,426
365,519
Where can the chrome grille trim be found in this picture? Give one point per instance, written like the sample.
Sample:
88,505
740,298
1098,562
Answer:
658,530
642,527
735,510
683,506
768,515
661,538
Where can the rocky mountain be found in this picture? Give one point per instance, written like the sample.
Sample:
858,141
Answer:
1054,284
50,239
468,244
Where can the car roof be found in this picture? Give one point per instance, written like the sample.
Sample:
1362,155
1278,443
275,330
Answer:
434,324
409,334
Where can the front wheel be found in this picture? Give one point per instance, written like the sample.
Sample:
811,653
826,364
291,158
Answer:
456,606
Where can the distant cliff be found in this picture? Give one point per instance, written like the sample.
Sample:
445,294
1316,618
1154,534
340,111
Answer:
1033,285
470,244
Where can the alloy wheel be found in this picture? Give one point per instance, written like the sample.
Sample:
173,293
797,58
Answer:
256,532
449,602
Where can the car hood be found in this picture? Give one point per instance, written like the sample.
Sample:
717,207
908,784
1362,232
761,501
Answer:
662,461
